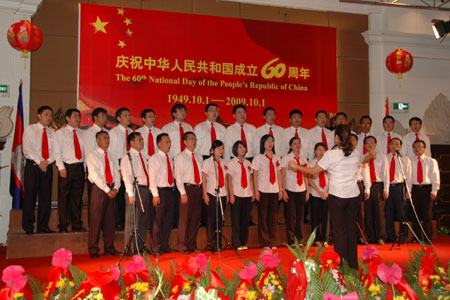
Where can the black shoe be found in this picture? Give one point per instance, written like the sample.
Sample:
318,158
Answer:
185,251
94,255
112,252
29,232
119,227
157,253
170,250
197,251
79,229
62,230
48,230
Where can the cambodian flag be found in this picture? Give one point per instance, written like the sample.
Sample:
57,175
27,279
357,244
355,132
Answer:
17,158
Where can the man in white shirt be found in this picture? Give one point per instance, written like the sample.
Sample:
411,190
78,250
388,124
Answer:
276,131
296,117
38,174
105,178
384,138
415,124
69,157
320,134
177,128
365,124
188,166
209,131
149,132
240,131
134,166
118,146
160,167
424,186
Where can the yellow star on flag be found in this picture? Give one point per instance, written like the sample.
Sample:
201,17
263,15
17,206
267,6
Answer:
121,44
127,21
120,11
129,32
99,25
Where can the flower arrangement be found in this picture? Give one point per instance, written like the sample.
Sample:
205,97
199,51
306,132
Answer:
319,276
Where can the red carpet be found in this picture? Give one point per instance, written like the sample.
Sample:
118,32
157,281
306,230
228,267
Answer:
39,267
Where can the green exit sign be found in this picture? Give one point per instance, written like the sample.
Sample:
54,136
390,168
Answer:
400,106
4,90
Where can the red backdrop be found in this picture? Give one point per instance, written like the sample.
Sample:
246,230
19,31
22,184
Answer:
149,59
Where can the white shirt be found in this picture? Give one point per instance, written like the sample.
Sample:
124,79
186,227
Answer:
89,140
96,168
138,171
342,172
173,130
233,134
406,163
362,174
64,148
316,181
235,170
430,171
289,133
159,172
117,141
32,143
203,133
361,138
315,136
211,168
144,130
184,169
291,176
278,136
262,164
381,170
382,141
410,138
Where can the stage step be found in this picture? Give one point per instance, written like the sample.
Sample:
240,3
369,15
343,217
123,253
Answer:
20,244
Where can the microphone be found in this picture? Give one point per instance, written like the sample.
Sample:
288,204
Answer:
398,152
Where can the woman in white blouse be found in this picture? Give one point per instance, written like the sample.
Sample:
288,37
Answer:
240,191
214,188
341,164
268,190
318,196
295,193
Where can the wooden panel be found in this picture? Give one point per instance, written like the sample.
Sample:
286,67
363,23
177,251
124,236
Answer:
185,6
349,28
307,17
121,3
54,99
264,13
56,17
214,8
354,111
353,80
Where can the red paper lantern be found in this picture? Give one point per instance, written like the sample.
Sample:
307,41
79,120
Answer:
24,36
399,62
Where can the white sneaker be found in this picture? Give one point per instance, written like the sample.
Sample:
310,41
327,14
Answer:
245,247
240,248
273,247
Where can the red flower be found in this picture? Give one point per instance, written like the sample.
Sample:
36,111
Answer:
330,259
249,168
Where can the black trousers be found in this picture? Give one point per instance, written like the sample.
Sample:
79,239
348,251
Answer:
372,212
319,217
240,216
359,216
70,193
421,196
267,213
120,206
396,208
189,222
211,227
162,223
36,183
293,213
343,216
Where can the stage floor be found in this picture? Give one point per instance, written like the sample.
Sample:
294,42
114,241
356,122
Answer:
39,267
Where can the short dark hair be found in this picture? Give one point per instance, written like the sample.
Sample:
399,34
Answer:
389,117
320,112
120,111
160,136
340,114
236,146
320,144
295,112
354,135
370,137
100,133
210,105
396,138
98,111
264,138
132,136
176,107
268,109
185,135
145,112
415,119
236,107
70,111
42,108
420,141
365,117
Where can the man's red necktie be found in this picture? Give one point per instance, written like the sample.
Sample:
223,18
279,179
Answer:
296,132
417,137
145,169
151,144
45,154
126,139
243,175
392,168
270,131
213,133
373,175
169,170
181,138
221,177
364,147
419,171
196,171
76,144
272,177
243,136
324,139
299,173
388,142
108,175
